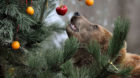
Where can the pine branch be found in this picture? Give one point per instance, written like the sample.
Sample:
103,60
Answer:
70,48
119,36
125,72
104,72
94,49
70,71
43,10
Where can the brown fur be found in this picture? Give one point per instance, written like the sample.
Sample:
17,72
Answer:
88,31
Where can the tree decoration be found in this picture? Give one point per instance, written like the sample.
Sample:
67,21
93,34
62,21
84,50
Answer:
11,73
30,10
89,2
11,70
61,10
15,45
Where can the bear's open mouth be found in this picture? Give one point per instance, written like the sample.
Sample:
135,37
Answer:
73,26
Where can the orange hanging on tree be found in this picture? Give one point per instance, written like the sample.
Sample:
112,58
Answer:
30,10
89,2
15,45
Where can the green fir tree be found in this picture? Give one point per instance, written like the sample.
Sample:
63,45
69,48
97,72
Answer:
29,30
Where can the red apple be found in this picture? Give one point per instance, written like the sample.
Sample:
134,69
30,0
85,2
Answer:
61,10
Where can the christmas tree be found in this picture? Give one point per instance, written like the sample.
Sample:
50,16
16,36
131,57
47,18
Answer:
24,22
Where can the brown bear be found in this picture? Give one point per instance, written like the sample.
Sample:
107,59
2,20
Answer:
86,31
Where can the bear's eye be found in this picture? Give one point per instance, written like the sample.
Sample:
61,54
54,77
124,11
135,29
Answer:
95,26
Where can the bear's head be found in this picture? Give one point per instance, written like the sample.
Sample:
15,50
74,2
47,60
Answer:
86,31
